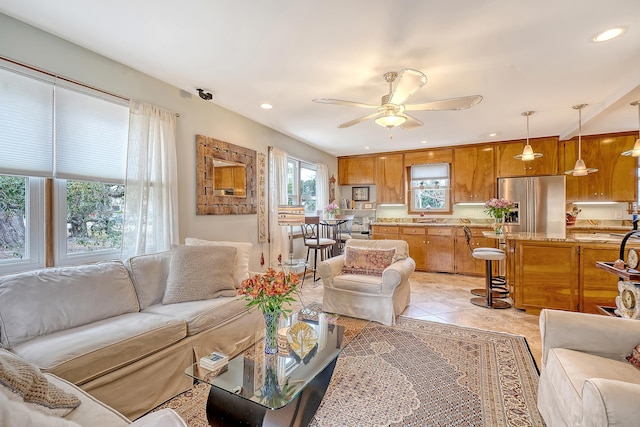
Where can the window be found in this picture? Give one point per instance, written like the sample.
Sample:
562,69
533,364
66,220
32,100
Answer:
430,188
301,184
58,130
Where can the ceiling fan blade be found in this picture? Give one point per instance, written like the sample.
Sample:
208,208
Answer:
411,123
361,119
407,83
446,104
341,102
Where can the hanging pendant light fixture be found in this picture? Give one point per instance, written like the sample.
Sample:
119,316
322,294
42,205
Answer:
527,153
636,147
580,169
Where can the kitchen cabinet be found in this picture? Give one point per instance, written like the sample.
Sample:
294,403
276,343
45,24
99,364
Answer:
416,238
616,178
546,276
422,157
389,179
384,232
507,165
356,170
597,287
473,174
464,262
440,249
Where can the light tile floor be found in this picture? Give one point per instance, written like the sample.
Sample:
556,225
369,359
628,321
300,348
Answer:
441,297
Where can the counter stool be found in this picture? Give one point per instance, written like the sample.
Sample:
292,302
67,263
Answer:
489,256
498,283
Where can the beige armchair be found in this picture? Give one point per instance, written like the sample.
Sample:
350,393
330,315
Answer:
372,297
585,378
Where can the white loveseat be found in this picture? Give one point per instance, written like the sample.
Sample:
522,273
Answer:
380,296
104,328
585,378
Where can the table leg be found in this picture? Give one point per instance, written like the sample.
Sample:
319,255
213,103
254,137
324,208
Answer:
227,409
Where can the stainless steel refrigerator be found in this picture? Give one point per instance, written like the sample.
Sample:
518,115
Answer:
540,204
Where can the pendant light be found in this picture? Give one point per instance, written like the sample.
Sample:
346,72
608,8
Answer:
636,147
527,153
580,169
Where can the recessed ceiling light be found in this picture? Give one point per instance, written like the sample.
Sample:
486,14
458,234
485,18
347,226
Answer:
423,142
608,34
367,147
493,134
266,106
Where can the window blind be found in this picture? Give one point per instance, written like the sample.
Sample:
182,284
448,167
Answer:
26,124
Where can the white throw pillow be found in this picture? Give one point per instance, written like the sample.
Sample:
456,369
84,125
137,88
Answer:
199,273
241,266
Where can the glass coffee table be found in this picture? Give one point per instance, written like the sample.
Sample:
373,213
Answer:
256,389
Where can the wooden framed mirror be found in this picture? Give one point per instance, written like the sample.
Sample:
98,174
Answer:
226,178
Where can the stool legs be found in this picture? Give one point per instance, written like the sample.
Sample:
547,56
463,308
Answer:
488,300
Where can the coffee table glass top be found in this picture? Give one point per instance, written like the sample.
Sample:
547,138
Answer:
275,380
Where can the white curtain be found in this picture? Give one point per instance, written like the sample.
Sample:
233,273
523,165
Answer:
151,196
322,186
279,243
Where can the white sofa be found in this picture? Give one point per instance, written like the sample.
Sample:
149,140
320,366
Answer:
585,378
103,327
378,297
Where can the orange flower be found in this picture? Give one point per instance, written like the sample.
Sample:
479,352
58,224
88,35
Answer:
270,291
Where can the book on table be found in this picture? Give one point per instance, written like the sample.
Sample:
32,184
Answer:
214,361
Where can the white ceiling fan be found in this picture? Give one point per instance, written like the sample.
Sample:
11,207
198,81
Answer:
392,111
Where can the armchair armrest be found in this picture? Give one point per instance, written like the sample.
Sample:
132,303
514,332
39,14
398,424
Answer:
330,268
397,273
605,336
610,403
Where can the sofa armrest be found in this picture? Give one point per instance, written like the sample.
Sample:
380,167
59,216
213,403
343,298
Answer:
166,417
605,336
330,268
608,402
397,273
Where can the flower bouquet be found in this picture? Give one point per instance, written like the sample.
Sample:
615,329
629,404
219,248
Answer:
270,292
499,209
332,209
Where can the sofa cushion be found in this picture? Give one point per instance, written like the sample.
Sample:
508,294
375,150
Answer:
568,370
202,315
358,283
149,274
89,351
367,261
200,272
56,299
15,413
91,411
241,263
27,383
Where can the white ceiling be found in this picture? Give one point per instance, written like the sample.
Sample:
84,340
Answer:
519,55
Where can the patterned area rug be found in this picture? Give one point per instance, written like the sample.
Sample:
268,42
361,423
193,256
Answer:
417,373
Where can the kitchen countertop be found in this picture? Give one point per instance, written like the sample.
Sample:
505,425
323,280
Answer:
601,237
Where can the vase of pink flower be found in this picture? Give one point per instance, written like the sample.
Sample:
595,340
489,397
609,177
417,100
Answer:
499,209
331,209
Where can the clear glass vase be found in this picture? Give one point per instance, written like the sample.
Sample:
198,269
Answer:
271,332
499,225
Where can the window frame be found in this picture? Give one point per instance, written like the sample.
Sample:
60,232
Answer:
295,197
412,209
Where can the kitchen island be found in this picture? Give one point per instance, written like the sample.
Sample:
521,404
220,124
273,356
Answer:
559,272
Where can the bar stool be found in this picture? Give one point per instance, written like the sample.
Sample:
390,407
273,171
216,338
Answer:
498,283
489,256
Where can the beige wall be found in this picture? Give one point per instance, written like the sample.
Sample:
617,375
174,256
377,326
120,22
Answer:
28,45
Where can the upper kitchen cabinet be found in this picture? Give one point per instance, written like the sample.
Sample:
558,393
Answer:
474,177
389,178
356,170
508,166
616,178
423,157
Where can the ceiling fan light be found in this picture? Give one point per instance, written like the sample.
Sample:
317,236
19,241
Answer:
390,120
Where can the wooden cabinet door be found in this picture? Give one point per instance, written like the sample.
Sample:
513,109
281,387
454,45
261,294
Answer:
440,249
547,276
597,287
616,179
355,170
473,174
507,165
416,239
464,262
389,174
